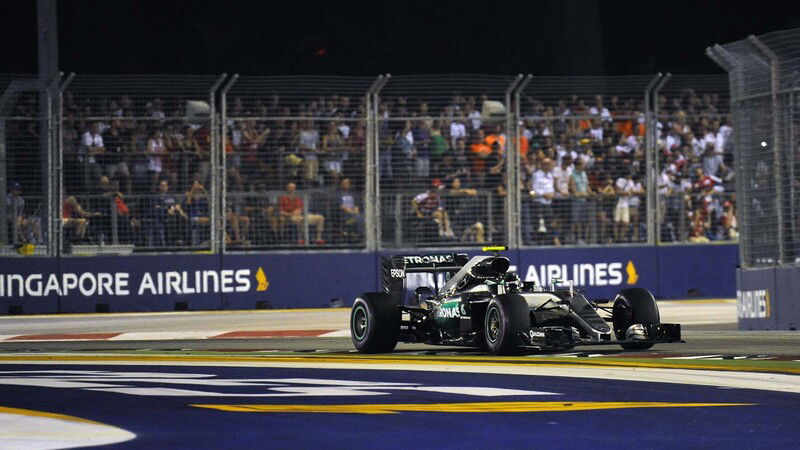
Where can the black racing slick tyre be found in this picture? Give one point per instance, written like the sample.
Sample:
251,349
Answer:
506,317
375,323
634,306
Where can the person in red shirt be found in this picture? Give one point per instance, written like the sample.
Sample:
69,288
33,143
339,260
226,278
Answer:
291,208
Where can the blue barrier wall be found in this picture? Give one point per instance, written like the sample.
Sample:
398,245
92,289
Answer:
301,280
767,298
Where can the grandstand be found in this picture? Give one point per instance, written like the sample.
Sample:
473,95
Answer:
142,160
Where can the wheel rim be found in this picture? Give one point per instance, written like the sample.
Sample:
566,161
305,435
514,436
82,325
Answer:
492,324
359,323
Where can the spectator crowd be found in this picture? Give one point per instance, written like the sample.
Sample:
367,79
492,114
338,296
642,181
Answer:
137,171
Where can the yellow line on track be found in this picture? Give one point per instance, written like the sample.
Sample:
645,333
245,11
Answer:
31,412
483,407
354,360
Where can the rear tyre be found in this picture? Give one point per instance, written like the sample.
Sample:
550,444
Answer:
634,306
506,317
375,323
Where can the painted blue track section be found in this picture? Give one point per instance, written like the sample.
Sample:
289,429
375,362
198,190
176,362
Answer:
169,422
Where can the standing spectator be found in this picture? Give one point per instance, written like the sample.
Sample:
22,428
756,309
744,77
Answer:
291,210
634,205
457,129
405,153
462,207
116,154
561,201
580,191
156,152
542,193
422,144
308,144
624,187
91,147
333,146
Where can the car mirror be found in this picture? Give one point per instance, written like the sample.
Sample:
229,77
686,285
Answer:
601,300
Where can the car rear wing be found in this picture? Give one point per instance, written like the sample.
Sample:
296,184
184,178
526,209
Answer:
395,267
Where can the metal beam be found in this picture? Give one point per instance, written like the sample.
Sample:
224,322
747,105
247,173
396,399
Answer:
651,122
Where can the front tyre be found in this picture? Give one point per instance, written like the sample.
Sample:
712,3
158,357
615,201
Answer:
631,307
506,317
375,323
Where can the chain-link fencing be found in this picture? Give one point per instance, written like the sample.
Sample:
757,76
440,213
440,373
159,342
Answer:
295,161
215,163
25,146
584,159
136,163
764,77
442,169
694,161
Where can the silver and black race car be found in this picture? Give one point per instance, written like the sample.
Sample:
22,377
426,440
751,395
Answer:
481,304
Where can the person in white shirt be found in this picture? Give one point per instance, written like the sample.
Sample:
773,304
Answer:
634,205
542,193
91,147
457,130
561,201
622,215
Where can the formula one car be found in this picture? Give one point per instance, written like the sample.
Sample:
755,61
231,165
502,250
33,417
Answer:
482,304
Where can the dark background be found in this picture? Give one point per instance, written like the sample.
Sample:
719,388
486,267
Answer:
545,37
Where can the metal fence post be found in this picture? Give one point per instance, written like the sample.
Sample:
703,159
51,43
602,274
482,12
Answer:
651,136
776,140
371,206
513,168
374,163
59,168
51,209
219,176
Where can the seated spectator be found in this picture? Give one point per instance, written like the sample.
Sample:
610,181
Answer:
77,218
238,228
264,214
167,221
351,226
197,208
28,229
291,210
428,207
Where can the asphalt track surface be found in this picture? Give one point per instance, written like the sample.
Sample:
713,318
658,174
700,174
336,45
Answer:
720,388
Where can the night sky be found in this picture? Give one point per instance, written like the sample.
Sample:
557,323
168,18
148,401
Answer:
272,37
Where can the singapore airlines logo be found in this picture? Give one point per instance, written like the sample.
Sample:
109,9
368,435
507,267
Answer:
261,278
631,271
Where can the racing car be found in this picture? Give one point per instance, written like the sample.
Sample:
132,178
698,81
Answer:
480,303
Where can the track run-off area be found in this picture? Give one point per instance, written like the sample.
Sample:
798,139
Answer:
265,386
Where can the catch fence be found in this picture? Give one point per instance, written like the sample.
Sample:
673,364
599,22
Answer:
174,163
764,74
